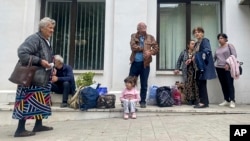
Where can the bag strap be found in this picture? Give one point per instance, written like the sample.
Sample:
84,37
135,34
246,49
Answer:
229,49
30,61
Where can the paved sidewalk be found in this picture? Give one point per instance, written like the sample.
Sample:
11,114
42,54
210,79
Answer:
178,123
151,128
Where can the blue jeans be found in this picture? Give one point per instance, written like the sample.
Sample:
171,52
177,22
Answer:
129,106
136,69
62,88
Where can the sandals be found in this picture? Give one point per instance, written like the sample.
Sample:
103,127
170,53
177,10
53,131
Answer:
25,133
133,116
126,116
42,128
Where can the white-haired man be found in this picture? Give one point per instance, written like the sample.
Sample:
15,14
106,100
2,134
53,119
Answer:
63,81
143,46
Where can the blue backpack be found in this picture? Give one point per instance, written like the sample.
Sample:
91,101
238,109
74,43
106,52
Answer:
88,98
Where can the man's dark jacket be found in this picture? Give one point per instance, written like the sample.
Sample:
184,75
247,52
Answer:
66,74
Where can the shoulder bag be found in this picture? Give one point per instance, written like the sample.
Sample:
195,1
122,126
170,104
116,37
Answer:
23,75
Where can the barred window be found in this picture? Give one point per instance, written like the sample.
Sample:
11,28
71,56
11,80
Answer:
84,51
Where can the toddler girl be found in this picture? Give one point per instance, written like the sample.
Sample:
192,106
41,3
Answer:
130,96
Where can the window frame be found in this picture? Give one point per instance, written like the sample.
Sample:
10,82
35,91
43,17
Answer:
72,28
73,25
188,21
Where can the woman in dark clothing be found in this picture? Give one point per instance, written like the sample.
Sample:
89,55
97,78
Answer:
207,71
188,73
33,102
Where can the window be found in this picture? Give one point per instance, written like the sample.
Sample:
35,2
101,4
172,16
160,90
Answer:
85,21
176,21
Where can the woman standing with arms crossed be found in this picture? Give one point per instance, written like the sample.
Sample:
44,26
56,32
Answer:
203,48
33,102
223,71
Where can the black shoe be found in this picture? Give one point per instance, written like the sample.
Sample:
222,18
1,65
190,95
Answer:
63,105
190,103
136,109
201,106
195,102
143,105
24,133
42,128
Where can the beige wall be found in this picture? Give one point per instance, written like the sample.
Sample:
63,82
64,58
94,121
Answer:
236,24
18,20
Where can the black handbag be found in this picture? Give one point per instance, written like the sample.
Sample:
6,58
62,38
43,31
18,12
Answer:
23,75
240,63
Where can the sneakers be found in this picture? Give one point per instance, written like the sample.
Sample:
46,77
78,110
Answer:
133,116
225,103
232,104
125,116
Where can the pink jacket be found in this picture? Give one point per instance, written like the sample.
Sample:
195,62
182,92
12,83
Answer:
132,94
234,66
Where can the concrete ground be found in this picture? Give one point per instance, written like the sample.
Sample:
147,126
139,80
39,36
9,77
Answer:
151,128
178,123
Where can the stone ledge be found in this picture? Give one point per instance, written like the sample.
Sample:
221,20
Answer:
66,114
213,109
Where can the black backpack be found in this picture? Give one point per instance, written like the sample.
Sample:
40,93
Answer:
88,98
164,97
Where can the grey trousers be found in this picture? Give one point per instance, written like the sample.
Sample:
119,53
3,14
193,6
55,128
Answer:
129,106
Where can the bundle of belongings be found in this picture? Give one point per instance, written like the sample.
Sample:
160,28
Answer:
74,102
90,97
180,88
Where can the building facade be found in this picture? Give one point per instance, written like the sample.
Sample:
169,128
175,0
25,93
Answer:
94,35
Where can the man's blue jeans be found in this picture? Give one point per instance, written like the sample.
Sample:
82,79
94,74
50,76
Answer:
136,69
62,88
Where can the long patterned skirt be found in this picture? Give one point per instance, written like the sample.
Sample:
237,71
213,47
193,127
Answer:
32,102
190,87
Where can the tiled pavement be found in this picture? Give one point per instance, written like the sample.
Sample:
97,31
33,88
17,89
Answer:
178,123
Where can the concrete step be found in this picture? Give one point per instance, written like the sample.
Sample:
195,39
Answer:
7,96
64,114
